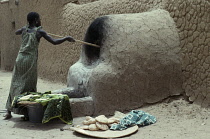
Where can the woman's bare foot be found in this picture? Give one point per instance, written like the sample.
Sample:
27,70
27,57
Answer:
8,115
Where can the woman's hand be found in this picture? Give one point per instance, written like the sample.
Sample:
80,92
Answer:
70,39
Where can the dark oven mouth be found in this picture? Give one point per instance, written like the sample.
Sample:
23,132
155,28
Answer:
94,34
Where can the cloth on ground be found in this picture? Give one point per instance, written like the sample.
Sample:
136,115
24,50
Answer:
57,105
135,117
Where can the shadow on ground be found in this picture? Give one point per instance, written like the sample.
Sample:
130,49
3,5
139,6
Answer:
52,124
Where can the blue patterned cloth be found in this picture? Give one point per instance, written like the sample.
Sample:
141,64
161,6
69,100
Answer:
135,117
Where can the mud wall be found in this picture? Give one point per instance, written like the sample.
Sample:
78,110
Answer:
192,20
51,58
67,18
8,51
193,23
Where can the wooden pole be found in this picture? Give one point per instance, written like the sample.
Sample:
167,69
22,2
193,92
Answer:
75,40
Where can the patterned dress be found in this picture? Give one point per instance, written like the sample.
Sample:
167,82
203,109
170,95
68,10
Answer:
24,77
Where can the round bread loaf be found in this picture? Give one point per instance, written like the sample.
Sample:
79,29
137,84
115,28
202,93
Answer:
102,126
93,127
102,119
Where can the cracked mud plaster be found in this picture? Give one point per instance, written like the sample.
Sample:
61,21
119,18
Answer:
132,69
193,23
191,18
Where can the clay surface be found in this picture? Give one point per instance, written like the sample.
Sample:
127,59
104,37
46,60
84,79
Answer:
139,62
177,119
67,18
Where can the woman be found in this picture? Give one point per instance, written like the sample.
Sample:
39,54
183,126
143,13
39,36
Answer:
25,70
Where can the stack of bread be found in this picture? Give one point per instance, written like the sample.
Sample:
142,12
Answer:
99,123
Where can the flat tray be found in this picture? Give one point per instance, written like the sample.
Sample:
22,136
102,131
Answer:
108,133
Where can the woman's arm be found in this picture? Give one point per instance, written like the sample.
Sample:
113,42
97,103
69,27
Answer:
19,31
55,41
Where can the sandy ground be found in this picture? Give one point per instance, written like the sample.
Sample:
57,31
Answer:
176,119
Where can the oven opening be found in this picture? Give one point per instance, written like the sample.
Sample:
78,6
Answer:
94,34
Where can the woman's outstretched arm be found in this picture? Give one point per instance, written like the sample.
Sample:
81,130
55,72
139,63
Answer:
55,41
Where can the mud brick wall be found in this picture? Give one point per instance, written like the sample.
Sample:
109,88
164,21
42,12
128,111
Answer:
193,22
67,18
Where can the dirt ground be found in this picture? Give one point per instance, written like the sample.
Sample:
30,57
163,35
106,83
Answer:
176,119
